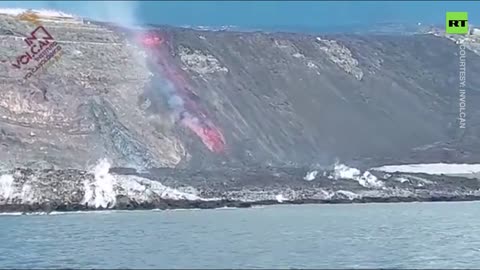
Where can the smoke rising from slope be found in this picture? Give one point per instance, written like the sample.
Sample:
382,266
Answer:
166,80
174,87
123,13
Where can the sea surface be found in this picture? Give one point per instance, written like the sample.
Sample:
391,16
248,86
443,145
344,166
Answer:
323,16
404,235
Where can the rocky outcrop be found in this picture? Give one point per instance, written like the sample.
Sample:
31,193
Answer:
341,56
200,62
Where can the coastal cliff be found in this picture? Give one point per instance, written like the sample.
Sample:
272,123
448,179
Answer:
197,101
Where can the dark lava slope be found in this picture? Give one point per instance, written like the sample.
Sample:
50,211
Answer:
186,98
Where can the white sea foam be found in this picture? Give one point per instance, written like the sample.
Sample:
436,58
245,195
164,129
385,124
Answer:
342,171
99,191
369,180
102,192
310,176
280,198
7,188
432,168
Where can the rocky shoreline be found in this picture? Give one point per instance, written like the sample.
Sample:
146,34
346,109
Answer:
184,204
105,188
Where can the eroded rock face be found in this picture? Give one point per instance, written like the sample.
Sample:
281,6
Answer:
341,56
199,62
275,99
81,108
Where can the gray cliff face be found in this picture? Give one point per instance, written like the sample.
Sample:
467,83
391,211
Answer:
276,99
305,99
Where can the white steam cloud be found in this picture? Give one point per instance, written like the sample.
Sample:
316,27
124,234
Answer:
123,13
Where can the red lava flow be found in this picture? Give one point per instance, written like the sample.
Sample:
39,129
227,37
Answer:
194,116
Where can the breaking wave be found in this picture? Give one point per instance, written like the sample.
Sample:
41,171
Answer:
368,180
6,186
96,188
100,193
103,191
342,171
310,176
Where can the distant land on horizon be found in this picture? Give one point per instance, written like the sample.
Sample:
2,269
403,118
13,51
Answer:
288,16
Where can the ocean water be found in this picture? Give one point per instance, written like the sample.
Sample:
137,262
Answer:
325,16
407,235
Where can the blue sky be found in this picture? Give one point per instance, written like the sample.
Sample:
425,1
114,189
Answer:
266,14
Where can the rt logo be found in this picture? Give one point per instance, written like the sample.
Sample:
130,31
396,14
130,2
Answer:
457,23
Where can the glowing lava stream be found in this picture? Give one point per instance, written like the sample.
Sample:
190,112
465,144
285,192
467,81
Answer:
190,113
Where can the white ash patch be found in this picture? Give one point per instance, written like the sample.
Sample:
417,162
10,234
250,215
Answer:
289,47
200,62
432,168
285,45
341,56
310,64
77,53
298,55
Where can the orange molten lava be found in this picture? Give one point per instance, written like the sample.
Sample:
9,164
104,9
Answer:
194,116
210,136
